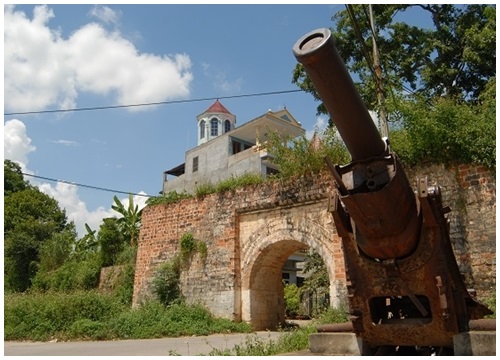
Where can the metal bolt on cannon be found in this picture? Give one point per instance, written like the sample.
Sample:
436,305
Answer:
403,282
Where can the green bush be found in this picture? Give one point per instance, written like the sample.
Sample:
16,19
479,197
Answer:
154,320
333,315
300,155
40,317
292,299
124,287
166,283
445,132
171,197
288,341
188,246
97,316
232,183
72,275
255,346
87,329
204,189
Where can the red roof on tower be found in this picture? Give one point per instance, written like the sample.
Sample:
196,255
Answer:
217,107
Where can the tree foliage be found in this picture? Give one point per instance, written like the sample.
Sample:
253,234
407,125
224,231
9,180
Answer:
317,284
301,155
455,57
427,71
130,222
31,219
13,180
445,132
111,241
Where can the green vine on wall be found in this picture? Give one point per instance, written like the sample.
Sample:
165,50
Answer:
189,246
167,283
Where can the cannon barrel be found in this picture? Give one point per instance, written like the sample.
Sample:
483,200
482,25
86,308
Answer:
403,282
374,187
317,53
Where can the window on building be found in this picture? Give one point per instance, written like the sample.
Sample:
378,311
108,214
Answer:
202,129
214,127
195,164
227,126
236,147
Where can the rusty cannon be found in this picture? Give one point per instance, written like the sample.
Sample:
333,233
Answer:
404,287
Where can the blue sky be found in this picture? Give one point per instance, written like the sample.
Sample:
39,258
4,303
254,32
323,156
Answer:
67,56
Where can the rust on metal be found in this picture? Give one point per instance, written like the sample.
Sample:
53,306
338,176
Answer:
318,55
404,286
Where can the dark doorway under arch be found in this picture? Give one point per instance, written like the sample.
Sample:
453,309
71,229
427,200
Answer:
267,306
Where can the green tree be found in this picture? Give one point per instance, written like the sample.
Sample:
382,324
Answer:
300,155
13,178
87,244
445,132
130,222
31,218
57,250
317,284
292,299
111,241
455,57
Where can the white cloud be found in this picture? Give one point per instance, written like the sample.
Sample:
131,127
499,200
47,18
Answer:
220,82
16,143
65,142
320,126
106,14
76,210
17,147
42,69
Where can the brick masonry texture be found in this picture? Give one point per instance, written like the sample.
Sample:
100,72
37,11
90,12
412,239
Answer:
239,226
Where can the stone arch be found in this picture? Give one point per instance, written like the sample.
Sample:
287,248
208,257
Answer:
264,250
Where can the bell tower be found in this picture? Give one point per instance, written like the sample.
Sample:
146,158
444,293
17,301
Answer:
214,121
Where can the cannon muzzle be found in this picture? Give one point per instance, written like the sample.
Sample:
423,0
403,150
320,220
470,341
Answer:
374,187
317,53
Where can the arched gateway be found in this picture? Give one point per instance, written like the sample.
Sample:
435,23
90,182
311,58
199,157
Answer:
249,234
268,238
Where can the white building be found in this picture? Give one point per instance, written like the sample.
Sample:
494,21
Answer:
226,151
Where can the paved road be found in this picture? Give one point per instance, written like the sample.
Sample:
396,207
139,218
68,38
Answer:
157,347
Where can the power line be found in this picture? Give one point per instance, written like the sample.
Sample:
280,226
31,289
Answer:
152,103
87,186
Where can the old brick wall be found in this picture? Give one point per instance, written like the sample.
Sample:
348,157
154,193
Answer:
215,219
470,192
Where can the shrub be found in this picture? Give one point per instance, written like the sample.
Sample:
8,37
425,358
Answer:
232,183
88,329
255,346
292,299
300,155
72,275
333,315
171,197
95,316
155,320
188,246
124,287
40,317
204,189
166,283
445,132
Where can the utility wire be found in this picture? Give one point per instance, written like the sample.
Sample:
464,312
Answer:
87,186
152,103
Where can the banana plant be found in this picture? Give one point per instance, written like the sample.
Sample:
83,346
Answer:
130,222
